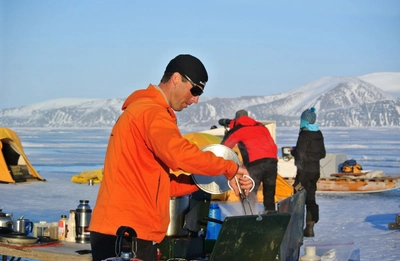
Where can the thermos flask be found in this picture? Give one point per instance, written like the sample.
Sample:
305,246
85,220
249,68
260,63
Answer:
82,219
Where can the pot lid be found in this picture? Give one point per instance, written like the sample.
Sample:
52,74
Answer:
216,184
2,214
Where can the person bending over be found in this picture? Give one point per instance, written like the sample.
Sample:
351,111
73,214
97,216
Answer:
260,156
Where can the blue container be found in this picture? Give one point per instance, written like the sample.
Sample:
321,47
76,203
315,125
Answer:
213,228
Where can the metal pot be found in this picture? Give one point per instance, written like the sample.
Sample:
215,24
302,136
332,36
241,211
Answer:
216,184
6,222
178,208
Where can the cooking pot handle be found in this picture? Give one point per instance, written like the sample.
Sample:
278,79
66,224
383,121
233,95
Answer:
30,227
124,229
120,234
237,182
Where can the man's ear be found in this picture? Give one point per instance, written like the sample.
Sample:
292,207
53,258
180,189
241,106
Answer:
176,78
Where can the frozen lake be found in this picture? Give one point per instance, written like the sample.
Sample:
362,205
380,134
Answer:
358,220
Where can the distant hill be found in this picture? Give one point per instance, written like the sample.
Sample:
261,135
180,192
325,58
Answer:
387,81
340,101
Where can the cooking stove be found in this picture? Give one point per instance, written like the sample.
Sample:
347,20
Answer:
255,232
192,245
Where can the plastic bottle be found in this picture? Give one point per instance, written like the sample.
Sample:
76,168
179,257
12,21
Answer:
54,230
46,229
39,229
213,228
70,227
43,229
310,254
61,227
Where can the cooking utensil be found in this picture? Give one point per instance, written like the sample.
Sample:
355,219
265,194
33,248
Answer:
18,239
23,225
6,222
178,208
243,196
216,184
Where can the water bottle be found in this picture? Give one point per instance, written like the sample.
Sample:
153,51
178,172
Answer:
83,215
213,228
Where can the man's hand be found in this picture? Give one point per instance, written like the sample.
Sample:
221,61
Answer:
245,183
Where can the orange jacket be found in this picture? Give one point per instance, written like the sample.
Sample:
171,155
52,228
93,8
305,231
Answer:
144,144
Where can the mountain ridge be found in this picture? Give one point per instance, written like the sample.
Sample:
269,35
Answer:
340,101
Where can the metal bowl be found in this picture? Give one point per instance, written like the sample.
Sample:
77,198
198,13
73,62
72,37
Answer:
216,184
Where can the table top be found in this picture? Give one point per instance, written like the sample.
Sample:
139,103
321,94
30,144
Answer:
61,251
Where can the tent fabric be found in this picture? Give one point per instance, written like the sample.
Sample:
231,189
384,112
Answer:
95,175
200,140
283,188
12,153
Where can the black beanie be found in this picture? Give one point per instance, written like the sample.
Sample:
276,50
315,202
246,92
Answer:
190,66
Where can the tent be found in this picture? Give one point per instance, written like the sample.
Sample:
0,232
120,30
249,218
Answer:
14,165
96,176
201,139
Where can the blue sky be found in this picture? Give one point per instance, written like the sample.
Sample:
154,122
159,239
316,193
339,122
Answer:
107,49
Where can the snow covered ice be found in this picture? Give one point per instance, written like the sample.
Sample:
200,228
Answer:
356,221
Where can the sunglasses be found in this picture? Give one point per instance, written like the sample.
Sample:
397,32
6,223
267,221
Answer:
196,90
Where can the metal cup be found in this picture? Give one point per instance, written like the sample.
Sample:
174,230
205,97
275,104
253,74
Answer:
24,226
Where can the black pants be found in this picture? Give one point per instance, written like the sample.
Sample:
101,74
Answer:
309,182
103,247
264,171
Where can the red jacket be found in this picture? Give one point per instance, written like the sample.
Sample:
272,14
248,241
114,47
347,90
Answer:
145,143
253,139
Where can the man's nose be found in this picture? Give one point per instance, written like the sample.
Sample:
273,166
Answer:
195,99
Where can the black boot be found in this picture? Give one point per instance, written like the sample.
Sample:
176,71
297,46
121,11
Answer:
309,229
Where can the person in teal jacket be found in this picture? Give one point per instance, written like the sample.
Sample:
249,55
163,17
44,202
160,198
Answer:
309,150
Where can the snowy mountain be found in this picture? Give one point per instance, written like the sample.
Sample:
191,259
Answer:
387,81
340,101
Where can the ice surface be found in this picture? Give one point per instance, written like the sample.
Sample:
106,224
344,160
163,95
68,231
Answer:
360,219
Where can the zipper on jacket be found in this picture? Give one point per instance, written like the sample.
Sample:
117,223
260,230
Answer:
158,189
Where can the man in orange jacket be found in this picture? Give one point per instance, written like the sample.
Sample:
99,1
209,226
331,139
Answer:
145,143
